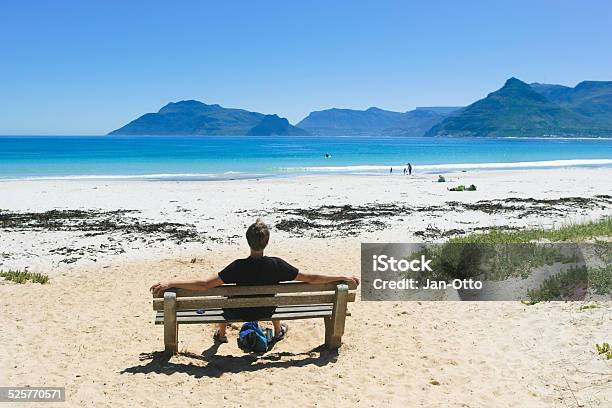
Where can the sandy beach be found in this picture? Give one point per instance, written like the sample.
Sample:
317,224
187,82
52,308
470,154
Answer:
104,242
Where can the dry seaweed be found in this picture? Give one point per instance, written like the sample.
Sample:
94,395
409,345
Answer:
340,220
97,222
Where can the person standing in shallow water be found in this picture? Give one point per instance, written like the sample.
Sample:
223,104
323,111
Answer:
409,169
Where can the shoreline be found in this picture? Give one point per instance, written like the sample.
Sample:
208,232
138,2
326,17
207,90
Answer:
365,170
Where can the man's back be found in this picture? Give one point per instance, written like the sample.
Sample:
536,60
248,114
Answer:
260,270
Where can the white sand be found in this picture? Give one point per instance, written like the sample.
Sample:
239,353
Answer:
91,329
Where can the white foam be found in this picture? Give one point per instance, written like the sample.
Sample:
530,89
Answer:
117,176
603,138
325,169
454,166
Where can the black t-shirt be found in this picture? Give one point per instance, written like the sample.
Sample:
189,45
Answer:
264,270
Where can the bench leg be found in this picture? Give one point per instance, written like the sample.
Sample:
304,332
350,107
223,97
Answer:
334,325
331,341
170,338
170,324
328,329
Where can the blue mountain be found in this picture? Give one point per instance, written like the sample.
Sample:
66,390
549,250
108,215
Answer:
197,118
592,99
518,109
374,121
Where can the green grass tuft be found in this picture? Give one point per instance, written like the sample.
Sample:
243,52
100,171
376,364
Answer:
564,286
604,349
567,285
24,276
600,279
574,232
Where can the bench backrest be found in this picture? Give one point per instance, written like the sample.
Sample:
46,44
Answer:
282,294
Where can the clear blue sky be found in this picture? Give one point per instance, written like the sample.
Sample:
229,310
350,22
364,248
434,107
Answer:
83,67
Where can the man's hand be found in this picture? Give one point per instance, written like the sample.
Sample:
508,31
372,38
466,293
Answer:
352,279
159,288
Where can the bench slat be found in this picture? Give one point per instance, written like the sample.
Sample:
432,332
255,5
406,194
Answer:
281,313
281,316
228,303
219,312
284,287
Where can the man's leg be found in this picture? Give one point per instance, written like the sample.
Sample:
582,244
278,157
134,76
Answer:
280,329
277,327
219,335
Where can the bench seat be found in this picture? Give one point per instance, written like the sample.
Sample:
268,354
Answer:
280,313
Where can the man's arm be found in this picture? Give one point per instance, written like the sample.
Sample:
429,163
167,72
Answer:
204,284
312,278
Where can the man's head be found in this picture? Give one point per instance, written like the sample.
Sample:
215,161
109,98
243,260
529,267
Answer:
257,235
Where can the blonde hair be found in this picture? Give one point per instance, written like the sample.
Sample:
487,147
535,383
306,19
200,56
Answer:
258,235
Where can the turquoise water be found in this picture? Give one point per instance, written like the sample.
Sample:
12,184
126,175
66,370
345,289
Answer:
206,157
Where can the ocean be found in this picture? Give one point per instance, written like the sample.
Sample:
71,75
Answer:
229,157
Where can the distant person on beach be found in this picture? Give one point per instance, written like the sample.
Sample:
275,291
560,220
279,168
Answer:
391,170
404,171
409,169
257,269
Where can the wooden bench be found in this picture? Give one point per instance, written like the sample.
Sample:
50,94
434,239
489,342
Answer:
293,300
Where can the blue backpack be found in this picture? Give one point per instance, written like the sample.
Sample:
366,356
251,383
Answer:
253,339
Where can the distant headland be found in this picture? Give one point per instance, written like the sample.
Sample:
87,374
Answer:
516,109
197,118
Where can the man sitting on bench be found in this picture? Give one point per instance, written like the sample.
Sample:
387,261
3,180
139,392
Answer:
257,269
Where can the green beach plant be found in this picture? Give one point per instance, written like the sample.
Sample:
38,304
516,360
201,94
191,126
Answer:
566,285
600,279
18,276
604,348
491,262
500,255
570,232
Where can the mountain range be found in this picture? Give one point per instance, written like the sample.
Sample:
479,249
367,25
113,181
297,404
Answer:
516,109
